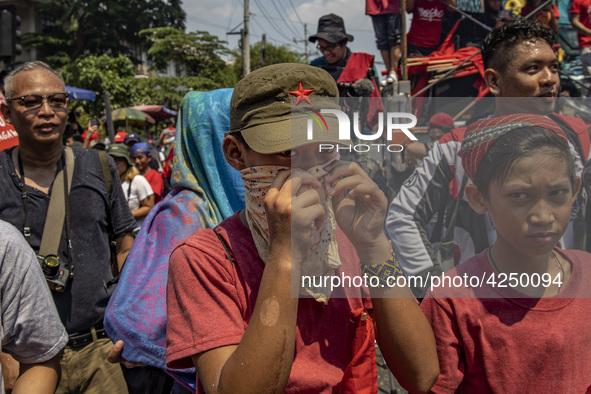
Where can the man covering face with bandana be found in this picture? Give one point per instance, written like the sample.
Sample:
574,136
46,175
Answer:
238,309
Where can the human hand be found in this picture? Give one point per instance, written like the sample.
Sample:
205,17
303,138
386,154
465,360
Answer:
293,209
359,207
114,356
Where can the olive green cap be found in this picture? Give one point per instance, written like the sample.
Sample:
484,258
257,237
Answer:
120,150
261,107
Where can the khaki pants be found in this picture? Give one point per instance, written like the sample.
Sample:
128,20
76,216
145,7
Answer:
86,370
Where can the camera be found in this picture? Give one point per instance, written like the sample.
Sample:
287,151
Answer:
94,122
56,273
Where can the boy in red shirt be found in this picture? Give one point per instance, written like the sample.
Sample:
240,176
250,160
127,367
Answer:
141,156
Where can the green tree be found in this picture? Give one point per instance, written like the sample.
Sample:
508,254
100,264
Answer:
198,53
76,28
272,55
117,75
157,90
100,73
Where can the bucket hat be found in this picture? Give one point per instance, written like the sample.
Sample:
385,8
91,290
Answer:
120,150
273,107
331,28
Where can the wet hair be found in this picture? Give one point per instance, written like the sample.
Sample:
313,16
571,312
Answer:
497,47
28,66
523,142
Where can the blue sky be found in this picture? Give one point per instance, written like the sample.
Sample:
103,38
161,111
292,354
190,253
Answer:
282,21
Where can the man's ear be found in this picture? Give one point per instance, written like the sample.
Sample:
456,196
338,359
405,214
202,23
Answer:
491,77
475,199
5,112
234,152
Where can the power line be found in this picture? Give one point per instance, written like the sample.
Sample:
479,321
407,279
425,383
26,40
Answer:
284,19
277,29
205,22
269,38
296,12
232,15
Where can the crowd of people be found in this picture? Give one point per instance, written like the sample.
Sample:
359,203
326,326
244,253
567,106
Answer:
184,269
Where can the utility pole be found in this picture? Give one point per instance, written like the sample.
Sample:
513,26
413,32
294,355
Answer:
305,41
263,49
246,40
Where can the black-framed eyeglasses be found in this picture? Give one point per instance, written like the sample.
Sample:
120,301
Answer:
34,101
328,48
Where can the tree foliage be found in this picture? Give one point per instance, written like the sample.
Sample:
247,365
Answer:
76,28
272,55
117,75
198,53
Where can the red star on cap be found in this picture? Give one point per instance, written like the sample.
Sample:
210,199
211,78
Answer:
302,94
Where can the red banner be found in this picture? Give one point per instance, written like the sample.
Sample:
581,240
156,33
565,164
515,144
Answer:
8,137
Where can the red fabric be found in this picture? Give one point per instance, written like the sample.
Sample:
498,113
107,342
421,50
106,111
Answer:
8,136
166,170
379,7
93,137
444,54
447,47
210,303
580,128
360,377
512,345
357,66
157,183
481,135
120,137
427,19
582,8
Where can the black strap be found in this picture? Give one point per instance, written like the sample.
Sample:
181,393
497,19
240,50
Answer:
104,159
129,188
55,216
225,245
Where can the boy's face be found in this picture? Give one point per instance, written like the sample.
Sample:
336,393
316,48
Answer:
532,208
141,161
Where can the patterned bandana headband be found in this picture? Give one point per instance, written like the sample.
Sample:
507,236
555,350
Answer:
481,135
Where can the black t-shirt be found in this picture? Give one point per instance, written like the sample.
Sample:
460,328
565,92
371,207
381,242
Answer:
82,305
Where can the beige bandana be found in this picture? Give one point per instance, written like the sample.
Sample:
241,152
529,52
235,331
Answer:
323,257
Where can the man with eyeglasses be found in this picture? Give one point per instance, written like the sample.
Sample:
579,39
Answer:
32,178
332,43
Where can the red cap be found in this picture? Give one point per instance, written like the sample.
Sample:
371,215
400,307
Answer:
120,137
441,119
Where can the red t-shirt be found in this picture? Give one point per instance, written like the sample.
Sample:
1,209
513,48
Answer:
210,303
427,19
583,8
513,345
93,137
166,170
157,183
379,7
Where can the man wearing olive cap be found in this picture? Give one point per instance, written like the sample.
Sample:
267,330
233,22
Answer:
237,308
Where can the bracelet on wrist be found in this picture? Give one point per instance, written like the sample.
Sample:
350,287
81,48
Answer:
384,271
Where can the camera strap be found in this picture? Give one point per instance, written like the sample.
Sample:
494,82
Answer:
58,207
